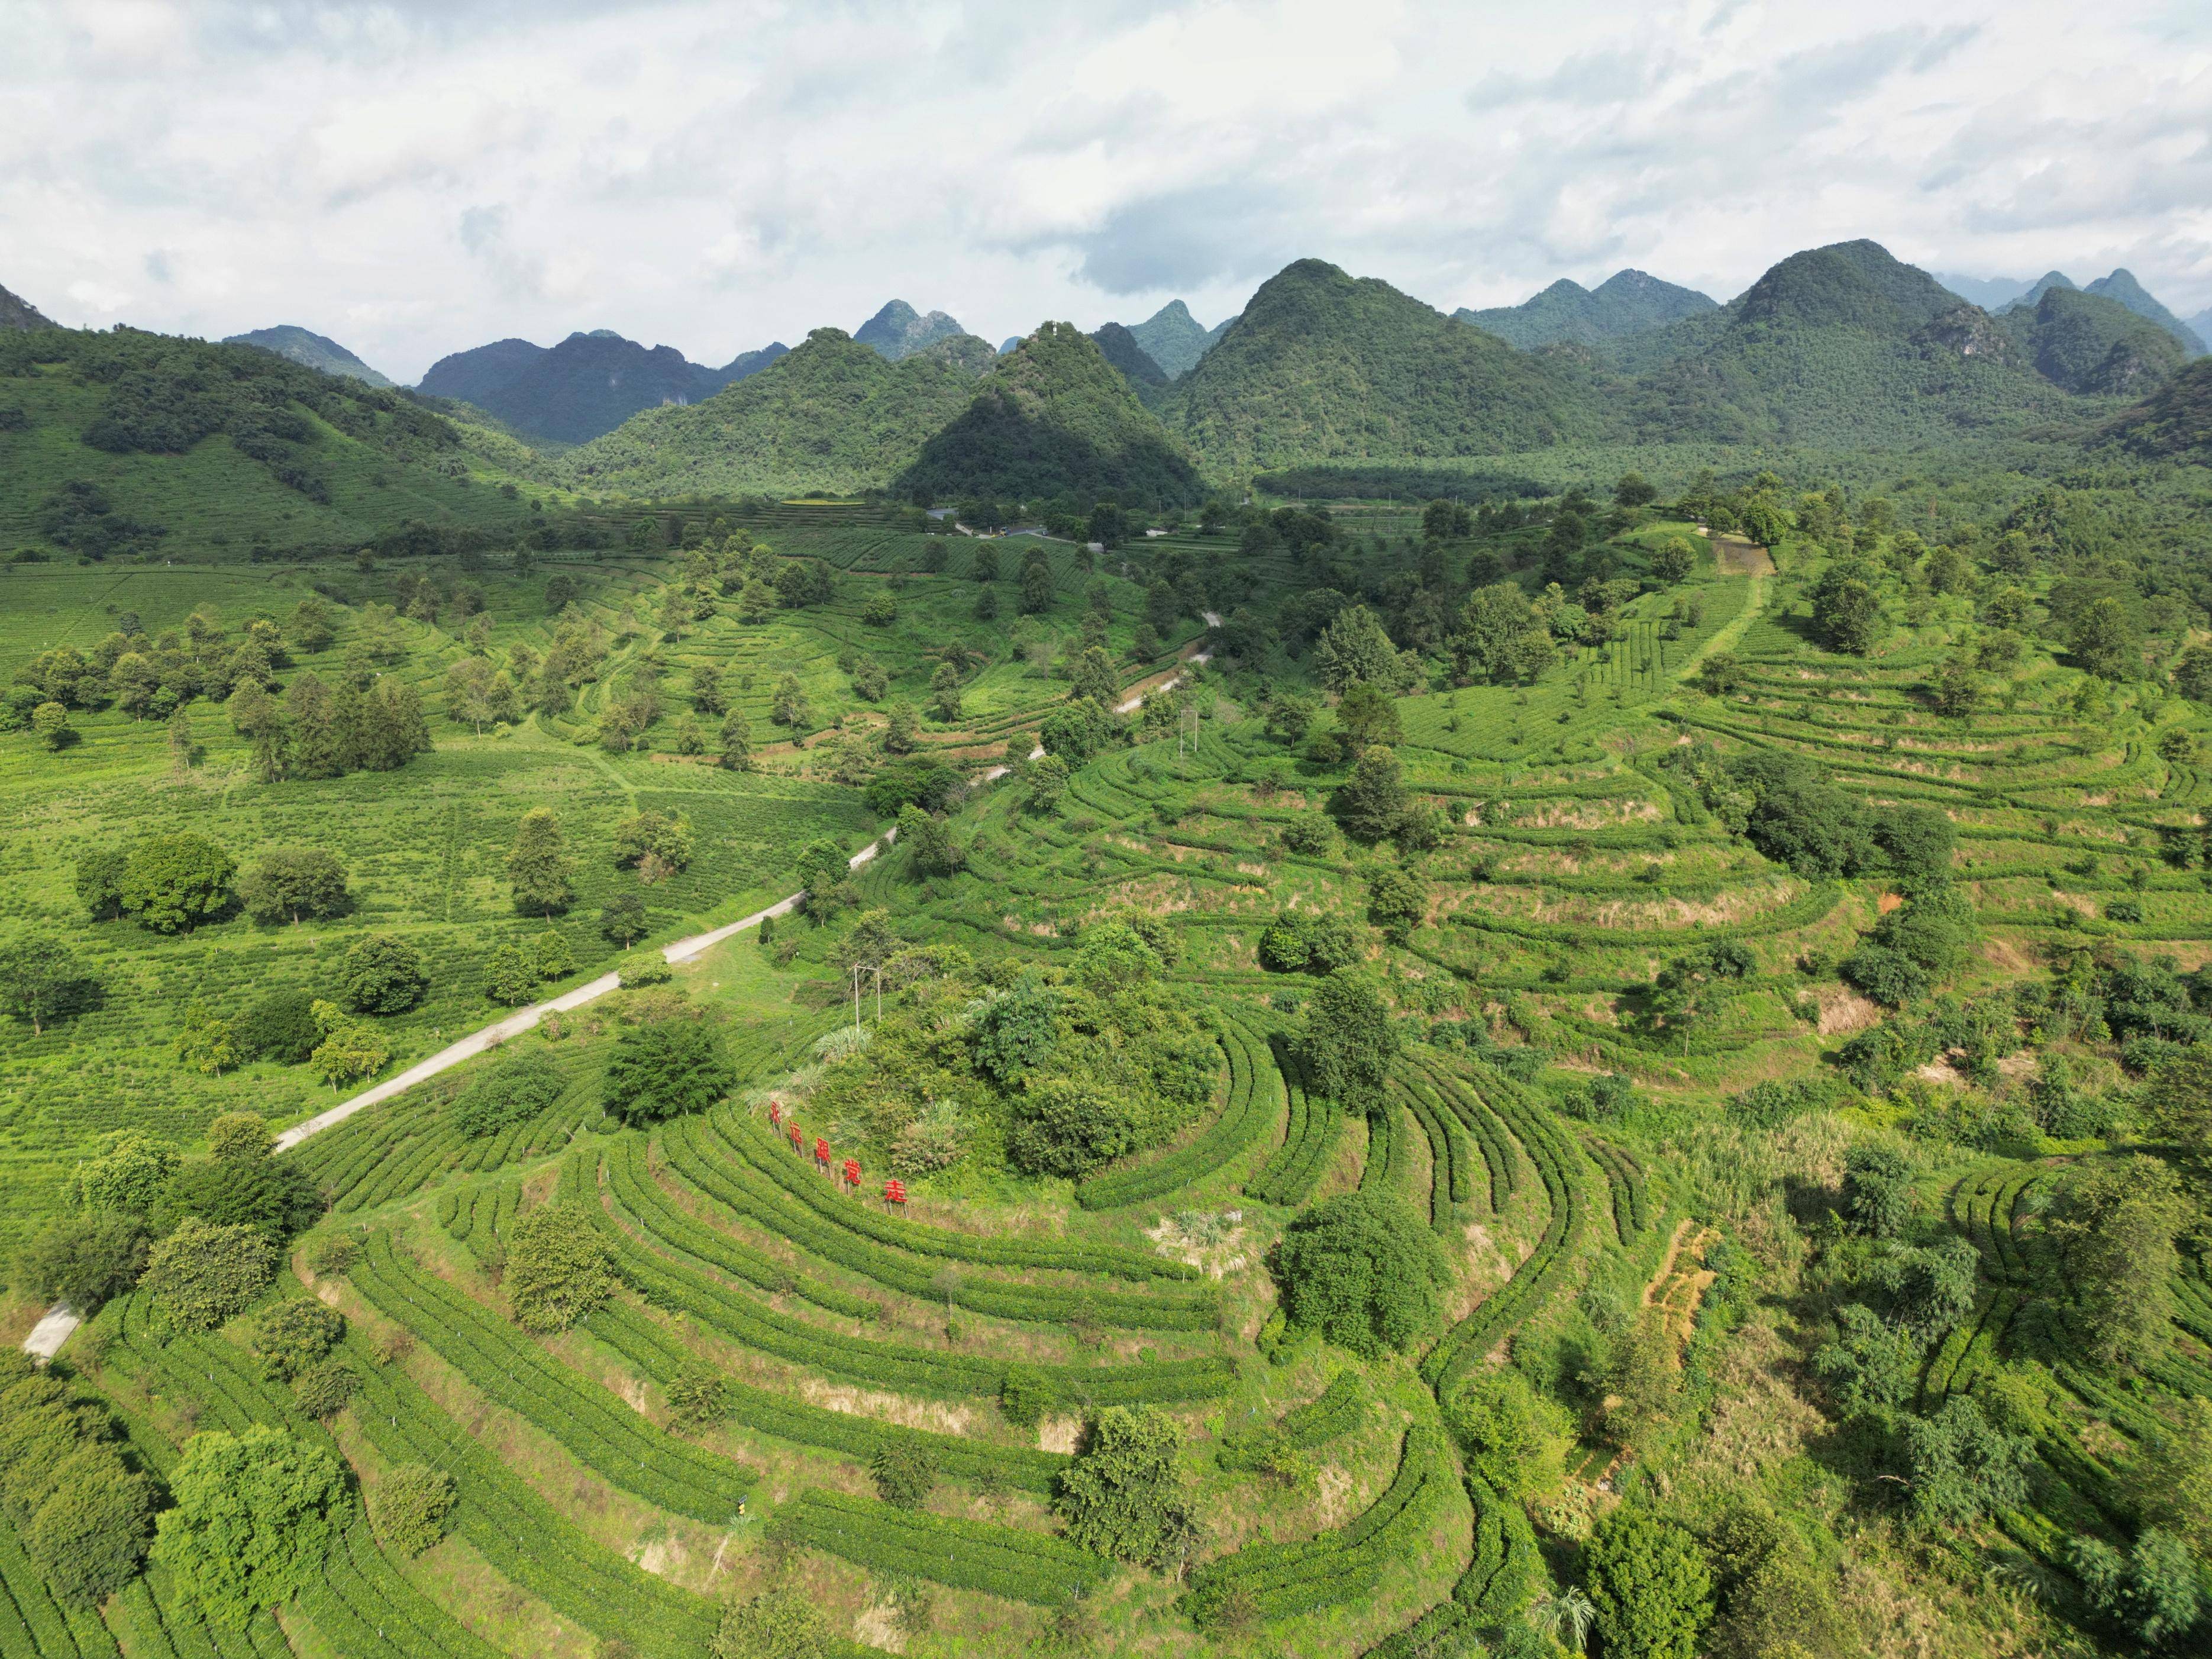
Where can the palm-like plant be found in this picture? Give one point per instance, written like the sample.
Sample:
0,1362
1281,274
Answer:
1564,1615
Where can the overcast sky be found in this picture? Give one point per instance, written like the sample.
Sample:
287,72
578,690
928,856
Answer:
417,178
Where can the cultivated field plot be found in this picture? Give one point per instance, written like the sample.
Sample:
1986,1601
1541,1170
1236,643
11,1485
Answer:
825,1353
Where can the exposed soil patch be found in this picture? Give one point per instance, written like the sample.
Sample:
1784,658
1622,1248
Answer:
1738,557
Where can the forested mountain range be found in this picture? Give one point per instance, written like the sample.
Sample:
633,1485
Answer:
832,414
1998,294
310,351
1834,347
1626,302
588,385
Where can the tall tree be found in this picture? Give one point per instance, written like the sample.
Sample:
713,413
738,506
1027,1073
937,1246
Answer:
538,865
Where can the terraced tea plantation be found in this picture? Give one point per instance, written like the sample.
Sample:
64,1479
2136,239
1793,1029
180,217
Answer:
1362,1155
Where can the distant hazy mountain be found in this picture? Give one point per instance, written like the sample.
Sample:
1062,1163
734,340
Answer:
587,385
1013,340
2041,286
475,374
309,350
2201,326
1987,292
21,313
899,330
1626,302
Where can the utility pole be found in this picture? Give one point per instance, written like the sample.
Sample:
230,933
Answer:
858,969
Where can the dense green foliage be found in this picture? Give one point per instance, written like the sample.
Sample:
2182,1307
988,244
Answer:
1053,417
255,1515
1361,1269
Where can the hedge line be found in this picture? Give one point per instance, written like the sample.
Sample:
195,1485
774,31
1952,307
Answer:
820,1231
361,1605
1282,1580
598,1430
1449,1153
1255,1104
518,1532
749,1140
1556,1158
862,1359
1289,1177
1624,1178
479,1215
1389,1162
657,1355
1807,907
1336,1412
639,1200
32,1623
219,1376
1021,1566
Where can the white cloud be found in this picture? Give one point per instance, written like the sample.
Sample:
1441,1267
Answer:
420,176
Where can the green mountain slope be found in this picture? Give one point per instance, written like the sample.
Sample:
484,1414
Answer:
1626,302
1324,366
1120,347
21,313
309,350
2090,343
1839,345
832,415
122,442
2176,420
2122,286
1056,418
1172,338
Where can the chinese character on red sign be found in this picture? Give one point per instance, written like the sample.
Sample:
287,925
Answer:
820,1150
895,1191
853,1170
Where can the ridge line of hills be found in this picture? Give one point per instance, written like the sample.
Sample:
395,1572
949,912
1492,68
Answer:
1842,346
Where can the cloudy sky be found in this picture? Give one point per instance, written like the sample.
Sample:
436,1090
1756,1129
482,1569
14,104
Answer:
416,178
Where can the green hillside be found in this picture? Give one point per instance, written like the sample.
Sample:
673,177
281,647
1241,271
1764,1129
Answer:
309,350
132,443
833,415
1056,418
1323,365
2088,344
1174,339
2174,421
1836,347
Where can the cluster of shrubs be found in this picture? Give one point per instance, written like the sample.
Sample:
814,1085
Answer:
1058,1071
